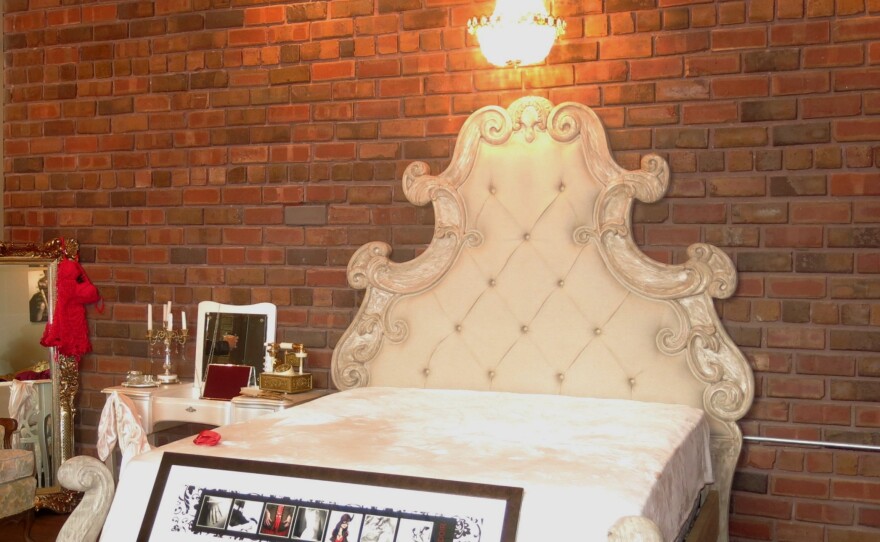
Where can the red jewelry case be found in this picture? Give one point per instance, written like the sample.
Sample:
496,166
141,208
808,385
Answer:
224,381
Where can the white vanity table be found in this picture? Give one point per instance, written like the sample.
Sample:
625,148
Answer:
181,403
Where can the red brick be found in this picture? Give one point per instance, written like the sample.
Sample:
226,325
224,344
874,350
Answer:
629,94
652,115
754,505
857,130
624,47
656,68
681,43
822,414
601,72
820,213
750,528
800,83
800,487
799,532
739,38
831,106
796,287
740,87
856,29
332,29
717,64
856,491
333,70
833,56
800,33
710,113
869,517
855,184
860,79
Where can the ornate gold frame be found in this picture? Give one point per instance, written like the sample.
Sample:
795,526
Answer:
65,377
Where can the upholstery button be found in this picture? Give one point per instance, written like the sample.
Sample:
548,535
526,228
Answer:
561,376
491,374
632,382
562,187
458,327
491,282
427,371
597,331
525,329
527,236
492,190
561,283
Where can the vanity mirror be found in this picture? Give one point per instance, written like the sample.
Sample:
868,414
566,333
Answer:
232,334
27,288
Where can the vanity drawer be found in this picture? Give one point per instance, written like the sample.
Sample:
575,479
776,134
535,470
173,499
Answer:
206,412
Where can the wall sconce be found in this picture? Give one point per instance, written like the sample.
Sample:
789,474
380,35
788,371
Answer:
519,33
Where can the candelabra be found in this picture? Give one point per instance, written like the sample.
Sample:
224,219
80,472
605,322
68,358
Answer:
167,337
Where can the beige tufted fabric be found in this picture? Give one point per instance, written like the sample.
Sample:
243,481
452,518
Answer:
533,283
530,309
18,485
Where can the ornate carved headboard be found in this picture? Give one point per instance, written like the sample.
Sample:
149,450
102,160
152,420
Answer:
533,282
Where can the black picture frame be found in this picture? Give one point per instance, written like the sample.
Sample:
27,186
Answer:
435,511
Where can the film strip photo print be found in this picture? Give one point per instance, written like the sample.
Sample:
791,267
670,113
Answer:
197,498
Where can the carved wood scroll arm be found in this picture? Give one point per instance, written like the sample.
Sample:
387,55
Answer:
87,474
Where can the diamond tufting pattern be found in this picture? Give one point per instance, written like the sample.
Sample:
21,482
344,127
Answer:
529,308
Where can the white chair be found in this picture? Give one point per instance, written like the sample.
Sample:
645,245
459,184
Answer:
28,405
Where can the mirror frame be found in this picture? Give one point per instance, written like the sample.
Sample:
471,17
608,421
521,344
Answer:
65,374
205,307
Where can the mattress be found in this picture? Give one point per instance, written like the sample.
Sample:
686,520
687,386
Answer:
583,463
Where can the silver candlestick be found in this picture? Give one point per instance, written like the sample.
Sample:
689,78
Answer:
167,337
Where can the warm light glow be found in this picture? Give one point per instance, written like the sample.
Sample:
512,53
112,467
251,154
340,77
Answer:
519,33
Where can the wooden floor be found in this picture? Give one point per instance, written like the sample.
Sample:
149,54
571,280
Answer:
45,528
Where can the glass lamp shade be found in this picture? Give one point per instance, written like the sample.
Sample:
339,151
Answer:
519,32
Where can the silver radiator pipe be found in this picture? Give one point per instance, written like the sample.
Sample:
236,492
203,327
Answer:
815,443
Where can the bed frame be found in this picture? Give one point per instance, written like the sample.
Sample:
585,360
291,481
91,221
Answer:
533,283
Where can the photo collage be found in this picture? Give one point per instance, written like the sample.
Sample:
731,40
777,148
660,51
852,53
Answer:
248,517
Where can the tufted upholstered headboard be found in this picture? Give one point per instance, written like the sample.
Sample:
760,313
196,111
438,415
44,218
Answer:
533,283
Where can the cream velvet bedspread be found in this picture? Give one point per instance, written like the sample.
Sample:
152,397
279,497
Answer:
583,463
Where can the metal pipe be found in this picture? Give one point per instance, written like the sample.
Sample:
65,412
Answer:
818,443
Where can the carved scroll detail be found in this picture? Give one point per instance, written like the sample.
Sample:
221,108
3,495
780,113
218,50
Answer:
87,474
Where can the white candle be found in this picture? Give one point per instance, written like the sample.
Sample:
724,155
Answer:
149,317
170,320
182,320
164,313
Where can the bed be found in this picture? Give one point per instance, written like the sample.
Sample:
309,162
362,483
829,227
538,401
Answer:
531,344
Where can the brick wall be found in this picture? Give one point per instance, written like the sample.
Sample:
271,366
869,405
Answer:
240,150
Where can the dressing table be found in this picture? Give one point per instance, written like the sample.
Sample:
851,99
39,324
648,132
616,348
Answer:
180,403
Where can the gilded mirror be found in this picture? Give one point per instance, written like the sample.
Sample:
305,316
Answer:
233,334
27,286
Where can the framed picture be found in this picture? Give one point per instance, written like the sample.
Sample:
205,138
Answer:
38,286
198,498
